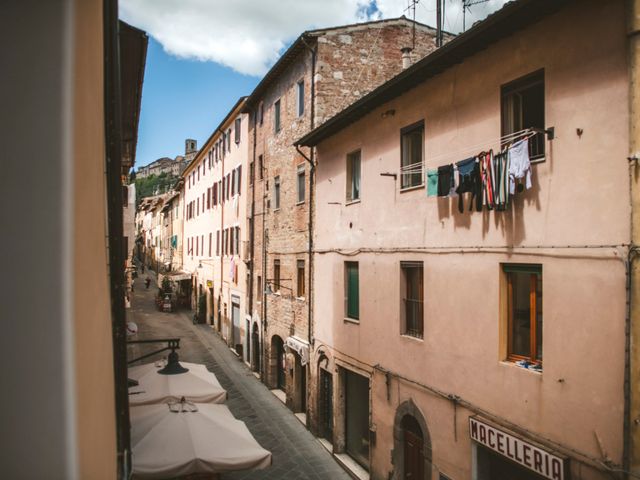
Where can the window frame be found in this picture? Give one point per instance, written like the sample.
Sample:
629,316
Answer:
517,86
301,172
418,330
536,273
300,98
405,131
276,193
300,266
277,116
348,315
276,275
349,186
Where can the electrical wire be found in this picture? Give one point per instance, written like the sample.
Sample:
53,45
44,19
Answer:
576,454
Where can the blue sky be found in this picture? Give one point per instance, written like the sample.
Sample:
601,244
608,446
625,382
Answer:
183,98
205,54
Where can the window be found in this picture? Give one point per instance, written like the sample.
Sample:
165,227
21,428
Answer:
261,113
524,312
412,291
301,183
352,290
353,176
233,182
218,243
210,238
260,167
276,275
300,97
229,140
232,241
522,106
276,116
197,246
239,179
228,185
300,269
411,147
237,240
259,291
252,172
236,128
276,193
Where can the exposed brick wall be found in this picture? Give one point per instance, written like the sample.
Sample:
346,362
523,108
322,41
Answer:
351,61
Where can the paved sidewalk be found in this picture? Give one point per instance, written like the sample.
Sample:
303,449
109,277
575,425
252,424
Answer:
296,453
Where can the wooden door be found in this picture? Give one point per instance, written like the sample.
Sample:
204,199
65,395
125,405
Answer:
326,405
413,456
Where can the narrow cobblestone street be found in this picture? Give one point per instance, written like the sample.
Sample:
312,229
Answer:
296,453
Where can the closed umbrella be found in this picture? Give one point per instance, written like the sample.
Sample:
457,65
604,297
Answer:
196,384
183,439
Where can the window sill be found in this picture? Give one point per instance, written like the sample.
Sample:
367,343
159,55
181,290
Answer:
411,337
300,203
514,364
301,299
276,210
411,189
351,320
539,160
352,202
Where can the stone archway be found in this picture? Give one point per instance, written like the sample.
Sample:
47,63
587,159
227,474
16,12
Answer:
409,418
277,363
255,348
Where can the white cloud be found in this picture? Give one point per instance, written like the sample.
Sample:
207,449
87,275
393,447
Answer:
249,35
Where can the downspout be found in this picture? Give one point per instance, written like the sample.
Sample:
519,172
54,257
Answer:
631,427
264,279
311,162
222,241
252,234
113,139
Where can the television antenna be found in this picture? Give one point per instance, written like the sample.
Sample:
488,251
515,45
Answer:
466,5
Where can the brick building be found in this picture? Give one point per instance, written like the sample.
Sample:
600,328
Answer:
320,74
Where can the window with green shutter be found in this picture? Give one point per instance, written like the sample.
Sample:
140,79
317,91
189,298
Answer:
352,290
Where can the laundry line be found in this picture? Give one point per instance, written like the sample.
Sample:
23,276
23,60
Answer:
418,167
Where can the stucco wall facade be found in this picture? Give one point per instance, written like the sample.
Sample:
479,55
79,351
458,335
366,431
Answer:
581,186
222,278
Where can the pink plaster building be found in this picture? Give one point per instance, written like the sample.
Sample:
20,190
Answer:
214,233
479,344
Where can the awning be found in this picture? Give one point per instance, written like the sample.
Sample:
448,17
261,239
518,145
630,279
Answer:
177,276
301,347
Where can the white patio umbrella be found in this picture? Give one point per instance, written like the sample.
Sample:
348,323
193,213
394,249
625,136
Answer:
197,384
183,439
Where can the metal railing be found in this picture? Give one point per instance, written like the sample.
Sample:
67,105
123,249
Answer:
414,317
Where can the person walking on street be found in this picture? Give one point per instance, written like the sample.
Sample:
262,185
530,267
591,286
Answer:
147,282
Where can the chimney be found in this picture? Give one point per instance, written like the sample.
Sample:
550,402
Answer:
406,57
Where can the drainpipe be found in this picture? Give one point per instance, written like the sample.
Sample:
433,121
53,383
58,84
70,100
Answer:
311,162
252,234
631,444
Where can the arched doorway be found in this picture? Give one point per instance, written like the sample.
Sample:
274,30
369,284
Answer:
278,361
255,348
412,444
325,399
413,448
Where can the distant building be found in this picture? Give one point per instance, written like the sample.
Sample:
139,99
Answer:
167,165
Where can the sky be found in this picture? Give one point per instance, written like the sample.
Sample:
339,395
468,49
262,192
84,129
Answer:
205,54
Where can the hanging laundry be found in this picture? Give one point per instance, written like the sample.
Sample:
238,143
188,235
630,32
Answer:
469,182
486,176
432,182
519,165
445,180
501,180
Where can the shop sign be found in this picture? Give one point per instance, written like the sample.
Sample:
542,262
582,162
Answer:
534,458
209,284
300,347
